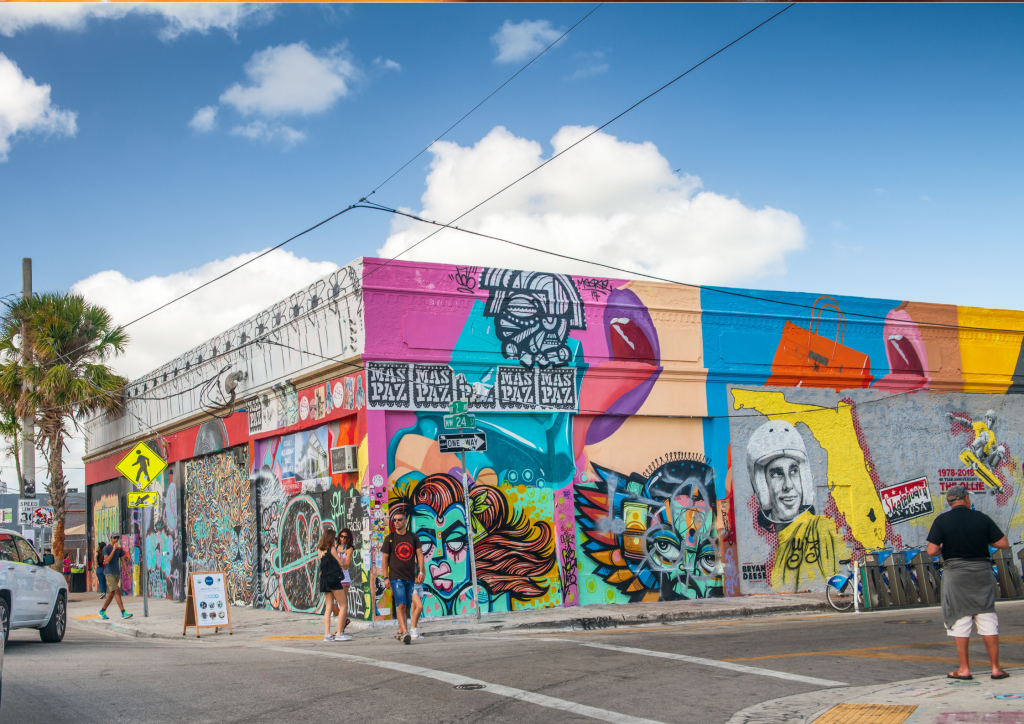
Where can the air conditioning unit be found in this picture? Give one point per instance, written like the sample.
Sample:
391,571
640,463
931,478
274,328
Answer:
345,459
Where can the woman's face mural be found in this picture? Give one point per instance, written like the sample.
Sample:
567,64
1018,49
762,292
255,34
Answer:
442,536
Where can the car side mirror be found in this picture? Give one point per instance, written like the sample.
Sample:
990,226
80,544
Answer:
48,559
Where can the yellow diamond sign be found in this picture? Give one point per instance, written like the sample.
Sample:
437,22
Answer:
141,466
142,500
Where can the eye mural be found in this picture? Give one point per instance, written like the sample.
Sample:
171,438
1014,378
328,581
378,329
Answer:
653,536
533,314
514,555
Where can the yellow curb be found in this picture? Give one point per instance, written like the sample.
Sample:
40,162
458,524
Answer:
84,618
294,638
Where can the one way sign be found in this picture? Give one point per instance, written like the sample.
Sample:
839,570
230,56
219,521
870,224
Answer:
472,442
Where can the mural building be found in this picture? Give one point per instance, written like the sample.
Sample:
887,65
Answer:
644,441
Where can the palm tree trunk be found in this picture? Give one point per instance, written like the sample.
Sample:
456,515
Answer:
58,489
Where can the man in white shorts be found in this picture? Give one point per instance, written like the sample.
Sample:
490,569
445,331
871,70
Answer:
962,536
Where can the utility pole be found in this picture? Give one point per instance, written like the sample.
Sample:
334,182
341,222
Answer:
28,422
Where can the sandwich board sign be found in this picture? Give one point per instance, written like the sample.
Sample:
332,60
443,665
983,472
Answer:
141,466
206,603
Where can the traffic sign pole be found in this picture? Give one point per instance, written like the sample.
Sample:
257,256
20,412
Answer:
469,534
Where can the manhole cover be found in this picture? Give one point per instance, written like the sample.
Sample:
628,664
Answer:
911,623
469,687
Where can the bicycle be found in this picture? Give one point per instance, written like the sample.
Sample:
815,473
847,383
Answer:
841,591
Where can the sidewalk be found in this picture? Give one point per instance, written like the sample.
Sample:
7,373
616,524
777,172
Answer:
933,700
166,617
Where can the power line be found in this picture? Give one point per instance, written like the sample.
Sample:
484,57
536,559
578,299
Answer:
511,78
721,290
596,130
350,207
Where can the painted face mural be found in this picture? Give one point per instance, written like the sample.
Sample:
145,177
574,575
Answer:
514,555
653,537
533,313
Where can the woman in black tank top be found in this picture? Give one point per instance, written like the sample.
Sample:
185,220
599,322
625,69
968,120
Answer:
331,578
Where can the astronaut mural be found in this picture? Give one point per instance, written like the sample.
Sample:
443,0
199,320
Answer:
783,484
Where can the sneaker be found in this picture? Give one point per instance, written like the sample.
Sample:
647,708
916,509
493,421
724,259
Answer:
103,614
343,637
406,639
415,633
125,614
329,637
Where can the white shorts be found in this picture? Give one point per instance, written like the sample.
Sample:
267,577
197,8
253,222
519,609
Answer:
987,624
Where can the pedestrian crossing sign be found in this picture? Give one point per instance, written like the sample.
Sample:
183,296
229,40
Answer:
141,466
143,500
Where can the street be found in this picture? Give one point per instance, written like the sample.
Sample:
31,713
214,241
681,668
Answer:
96,676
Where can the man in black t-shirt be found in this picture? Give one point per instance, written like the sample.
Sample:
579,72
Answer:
963,535
401,552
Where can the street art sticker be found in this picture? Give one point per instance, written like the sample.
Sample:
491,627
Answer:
515,552
906,501
220,522
653,536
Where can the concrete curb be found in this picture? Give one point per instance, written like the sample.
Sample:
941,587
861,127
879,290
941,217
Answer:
464,627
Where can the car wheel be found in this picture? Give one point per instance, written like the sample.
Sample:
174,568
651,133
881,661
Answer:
53,631
5,619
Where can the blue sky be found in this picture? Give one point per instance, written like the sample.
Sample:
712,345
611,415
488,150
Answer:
892,132
870,150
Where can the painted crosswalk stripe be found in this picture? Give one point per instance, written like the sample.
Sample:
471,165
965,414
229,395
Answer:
740,668
497,689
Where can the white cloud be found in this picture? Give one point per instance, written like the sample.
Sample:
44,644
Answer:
190,322
262,131
521,41
607,200
291,79
204,120
179,18
196,318
25,107
591,63
387,64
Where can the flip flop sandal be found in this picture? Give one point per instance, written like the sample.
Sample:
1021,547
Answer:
960,678
1003,675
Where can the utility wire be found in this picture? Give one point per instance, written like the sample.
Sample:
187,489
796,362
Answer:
511,78
720,290
596,130
379,186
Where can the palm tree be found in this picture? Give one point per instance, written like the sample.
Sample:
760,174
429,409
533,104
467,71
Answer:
10,431
53,353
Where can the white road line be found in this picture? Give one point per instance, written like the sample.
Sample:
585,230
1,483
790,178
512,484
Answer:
706,662
455,680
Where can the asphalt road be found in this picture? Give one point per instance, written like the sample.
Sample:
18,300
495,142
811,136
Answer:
94,676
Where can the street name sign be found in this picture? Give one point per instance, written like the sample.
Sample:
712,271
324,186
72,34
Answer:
459,407
141,466
143,500
454,422
472,442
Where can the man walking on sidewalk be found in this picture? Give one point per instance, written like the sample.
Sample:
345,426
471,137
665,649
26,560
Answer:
401,551
963,536
112,555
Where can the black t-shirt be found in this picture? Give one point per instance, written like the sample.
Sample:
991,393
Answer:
964,533
401,551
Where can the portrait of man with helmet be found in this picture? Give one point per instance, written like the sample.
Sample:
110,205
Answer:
783,484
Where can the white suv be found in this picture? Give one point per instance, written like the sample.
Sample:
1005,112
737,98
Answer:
31,595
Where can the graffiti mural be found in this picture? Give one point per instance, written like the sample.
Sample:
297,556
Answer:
163,541
220,521
653,536
515,556
290,524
